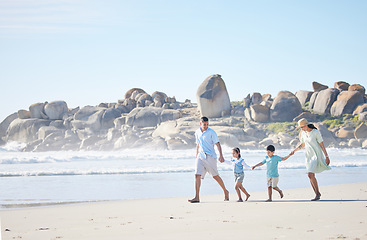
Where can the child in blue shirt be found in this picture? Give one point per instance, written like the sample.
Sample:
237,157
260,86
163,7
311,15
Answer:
239,164
272,170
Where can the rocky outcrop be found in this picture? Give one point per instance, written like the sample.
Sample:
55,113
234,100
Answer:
357,87
317,87
341,86
360,109
259,113
285,107
303,96
56,110
24,114
346,102
4,125
212,97
325,100
37,110
25,130
361,131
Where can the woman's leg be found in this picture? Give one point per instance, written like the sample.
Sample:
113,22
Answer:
314,185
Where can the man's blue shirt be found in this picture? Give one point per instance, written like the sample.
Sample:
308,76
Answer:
206,141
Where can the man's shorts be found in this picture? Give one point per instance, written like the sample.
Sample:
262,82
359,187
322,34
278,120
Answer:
273,181
206,165
238,177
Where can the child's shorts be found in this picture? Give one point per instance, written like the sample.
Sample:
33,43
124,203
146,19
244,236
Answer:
273,181
238,177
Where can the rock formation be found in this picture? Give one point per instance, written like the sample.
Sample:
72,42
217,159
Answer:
212,97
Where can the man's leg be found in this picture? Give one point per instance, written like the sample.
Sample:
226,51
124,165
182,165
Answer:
197,189
221,184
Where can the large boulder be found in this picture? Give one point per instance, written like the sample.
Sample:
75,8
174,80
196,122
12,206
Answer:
24,114
56,110
317,87
346,103
362,116
88,117
256,98
212,97
360,109
325,100
329,140
4,125
357,87
285,107
313,100
303,96
309,116
44,131
37,110
345,132
260,113
150,116
129,92
25,130
108,117
341,86
361,131
144,117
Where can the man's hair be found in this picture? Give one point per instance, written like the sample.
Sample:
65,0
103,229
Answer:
204,119
270,148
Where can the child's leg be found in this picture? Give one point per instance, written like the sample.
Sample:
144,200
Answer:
279,191
237,187
244,191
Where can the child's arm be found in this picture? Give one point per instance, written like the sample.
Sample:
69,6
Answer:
257,165
245,165
285,158
228,162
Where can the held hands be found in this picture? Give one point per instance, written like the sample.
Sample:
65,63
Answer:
221,159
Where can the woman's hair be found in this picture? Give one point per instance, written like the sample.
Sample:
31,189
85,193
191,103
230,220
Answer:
237,150
312,126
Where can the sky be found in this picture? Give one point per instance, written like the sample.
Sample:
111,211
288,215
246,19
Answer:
86,52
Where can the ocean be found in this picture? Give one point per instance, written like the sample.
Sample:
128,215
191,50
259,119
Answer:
30,179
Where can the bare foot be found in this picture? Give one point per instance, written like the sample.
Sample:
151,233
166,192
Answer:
240,200
247,196
226,196
194,200
281,194
318,196
269,200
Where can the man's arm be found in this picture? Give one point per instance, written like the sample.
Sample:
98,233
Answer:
197,150
221,158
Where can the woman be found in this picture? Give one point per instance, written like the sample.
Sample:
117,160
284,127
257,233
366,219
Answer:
312,141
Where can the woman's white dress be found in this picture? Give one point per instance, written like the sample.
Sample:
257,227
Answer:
315,160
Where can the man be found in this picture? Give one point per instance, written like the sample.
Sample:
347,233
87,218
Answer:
206,158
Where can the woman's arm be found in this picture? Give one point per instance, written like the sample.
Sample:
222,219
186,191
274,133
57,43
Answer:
327,159
302,145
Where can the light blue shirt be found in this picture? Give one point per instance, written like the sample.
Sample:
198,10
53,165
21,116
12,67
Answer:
238,164
206,141
272,165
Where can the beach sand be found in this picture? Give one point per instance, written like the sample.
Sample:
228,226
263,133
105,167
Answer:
341,214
